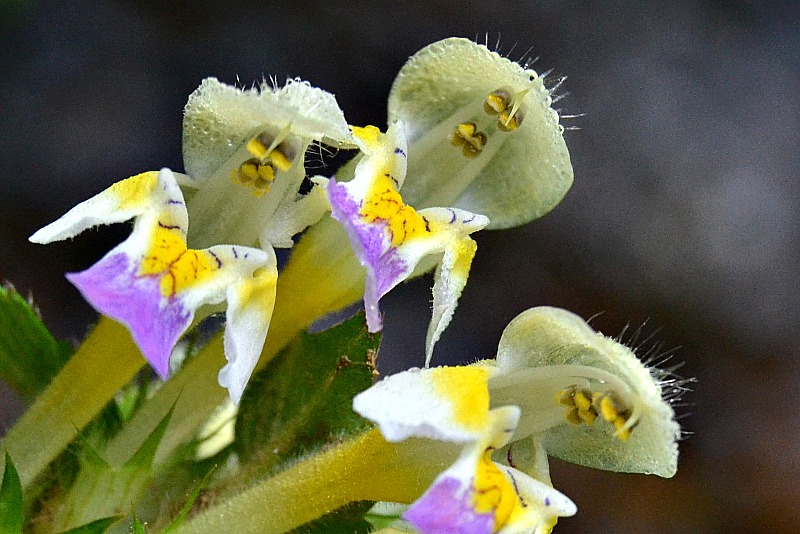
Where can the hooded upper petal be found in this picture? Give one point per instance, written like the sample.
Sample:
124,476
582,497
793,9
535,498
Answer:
219,119
607,382
482,134
245,150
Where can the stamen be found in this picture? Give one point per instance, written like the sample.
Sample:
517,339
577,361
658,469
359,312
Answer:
246,173
282,157
580,409
270,155
497,102
576,394
466,136
579,405
507,108
257,148
255,174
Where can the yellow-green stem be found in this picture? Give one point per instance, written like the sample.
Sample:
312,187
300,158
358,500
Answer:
103,364
322,276
366,468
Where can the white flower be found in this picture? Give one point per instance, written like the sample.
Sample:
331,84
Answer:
557,387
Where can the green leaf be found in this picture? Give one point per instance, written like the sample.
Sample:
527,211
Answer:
138,526
187,507
11,516
102,488
346,520
98,526
143,458
29,355
302,400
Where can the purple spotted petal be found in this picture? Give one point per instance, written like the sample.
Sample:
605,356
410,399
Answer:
112,287
385,267
446,508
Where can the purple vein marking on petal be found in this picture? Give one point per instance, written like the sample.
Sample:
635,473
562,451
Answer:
446,508
169,226
112,287
219,261
385,267
516,490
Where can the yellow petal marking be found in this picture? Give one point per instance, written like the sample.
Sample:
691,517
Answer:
464,256
136,189
370,135
494,494
384,203
180,267
258,291
467,391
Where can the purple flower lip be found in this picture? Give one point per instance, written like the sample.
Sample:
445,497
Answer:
385,267
446,508
114,289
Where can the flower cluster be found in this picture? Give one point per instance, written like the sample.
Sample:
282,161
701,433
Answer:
472,143
244,155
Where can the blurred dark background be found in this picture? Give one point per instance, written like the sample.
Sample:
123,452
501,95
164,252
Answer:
683,216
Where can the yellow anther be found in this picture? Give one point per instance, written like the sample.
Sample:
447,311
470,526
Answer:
254,174
507,108
248,172
466,129
582,401
586,412
587,416
608,409
271,149
260,187
280,160
257,148
266,173
496,102
508,123
583,406
466,136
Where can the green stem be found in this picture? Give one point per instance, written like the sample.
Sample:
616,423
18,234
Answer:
322,276
103,364
366,468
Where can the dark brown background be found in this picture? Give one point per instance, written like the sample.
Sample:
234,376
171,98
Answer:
683,213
